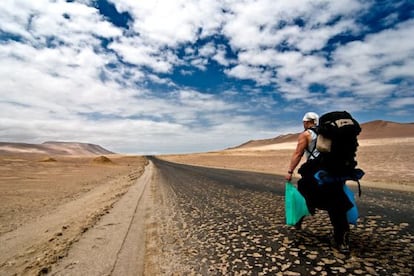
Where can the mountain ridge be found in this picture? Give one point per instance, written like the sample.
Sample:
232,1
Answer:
54,148
376,129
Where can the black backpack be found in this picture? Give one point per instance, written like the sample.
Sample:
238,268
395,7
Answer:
339,130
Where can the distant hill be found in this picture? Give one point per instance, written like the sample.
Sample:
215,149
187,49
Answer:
370,130
264,142
53,148
386,129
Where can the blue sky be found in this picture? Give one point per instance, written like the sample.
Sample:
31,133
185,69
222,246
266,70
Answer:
152,77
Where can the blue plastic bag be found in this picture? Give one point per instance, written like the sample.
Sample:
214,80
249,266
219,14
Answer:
352,214
324,178
295,205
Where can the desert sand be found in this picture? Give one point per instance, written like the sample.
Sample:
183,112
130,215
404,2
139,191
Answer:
48,202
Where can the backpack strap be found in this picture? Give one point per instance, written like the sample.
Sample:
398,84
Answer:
311,152
314,146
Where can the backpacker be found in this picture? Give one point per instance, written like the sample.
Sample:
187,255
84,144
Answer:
337,143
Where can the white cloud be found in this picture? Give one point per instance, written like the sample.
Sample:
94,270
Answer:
173,22
220,56
207,50
259,75
402,103
199,63
135,51
59,82
368,66
58,89
71,23
266,23
362,68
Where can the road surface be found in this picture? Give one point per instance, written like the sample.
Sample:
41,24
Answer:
233,223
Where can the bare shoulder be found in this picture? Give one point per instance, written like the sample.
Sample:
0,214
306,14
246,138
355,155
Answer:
303,136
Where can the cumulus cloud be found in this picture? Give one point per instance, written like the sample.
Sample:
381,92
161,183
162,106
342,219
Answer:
69,73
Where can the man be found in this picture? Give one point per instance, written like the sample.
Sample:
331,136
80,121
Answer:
327,198
306,146
306,143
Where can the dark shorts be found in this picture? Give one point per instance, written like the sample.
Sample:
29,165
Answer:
330,196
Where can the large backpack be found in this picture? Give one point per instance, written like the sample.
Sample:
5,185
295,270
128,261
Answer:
338,143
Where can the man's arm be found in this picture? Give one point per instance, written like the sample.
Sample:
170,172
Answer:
297,155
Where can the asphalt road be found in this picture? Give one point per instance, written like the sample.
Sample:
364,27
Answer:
232,223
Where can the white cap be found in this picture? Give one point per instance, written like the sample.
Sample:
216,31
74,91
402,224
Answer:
311,116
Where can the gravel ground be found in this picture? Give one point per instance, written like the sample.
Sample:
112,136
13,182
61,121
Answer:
232,223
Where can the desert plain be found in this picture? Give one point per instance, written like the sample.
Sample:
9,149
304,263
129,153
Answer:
48,201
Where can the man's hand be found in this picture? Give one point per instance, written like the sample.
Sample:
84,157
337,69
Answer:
288,177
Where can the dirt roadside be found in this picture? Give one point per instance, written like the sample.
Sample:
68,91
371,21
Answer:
138,236
47,206
116,244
